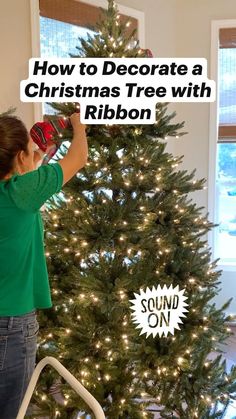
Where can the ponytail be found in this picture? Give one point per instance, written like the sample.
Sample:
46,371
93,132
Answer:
14,137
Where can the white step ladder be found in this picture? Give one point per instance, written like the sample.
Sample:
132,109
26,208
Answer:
74,383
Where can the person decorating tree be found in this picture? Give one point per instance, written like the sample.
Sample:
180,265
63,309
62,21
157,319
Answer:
24,286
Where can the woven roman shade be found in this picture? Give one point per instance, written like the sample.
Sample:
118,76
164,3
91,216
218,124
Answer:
78,13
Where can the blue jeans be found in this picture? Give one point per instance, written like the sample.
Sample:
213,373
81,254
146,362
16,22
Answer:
18,346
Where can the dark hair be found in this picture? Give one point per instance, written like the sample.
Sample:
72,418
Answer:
13,138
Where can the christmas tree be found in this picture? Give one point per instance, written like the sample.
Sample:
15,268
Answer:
123,224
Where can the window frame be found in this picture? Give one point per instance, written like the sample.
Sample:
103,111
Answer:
216,25
35,33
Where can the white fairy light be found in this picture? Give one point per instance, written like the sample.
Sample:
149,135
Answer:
191,280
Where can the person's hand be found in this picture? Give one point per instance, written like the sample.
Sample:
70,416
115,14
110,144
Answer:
75,122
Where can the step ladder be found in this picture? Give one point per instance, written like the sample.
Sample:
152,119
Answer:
74,383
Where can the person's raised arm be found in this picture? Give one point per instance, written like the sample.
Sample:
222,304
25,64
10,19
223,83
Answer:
77,154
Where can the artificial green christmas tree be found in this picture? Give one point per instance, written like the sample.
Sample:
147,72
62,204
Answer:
123,224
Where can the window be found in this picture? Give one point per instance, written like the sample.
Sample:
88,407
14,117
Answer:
61,26
56,26
223,143
82,14
226,148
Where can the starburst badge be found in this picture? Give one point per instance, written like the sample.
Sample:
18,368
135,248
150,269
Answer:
158,311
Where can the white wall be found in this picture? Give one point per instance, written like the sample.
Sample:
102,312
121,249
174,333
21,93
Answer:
15,50
160,24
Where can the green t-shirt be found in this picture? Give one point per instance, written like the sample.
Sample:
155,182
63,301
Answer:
24,284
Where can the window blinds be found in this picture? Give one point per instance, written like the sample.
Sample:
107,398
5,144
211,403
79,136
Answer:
78,13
